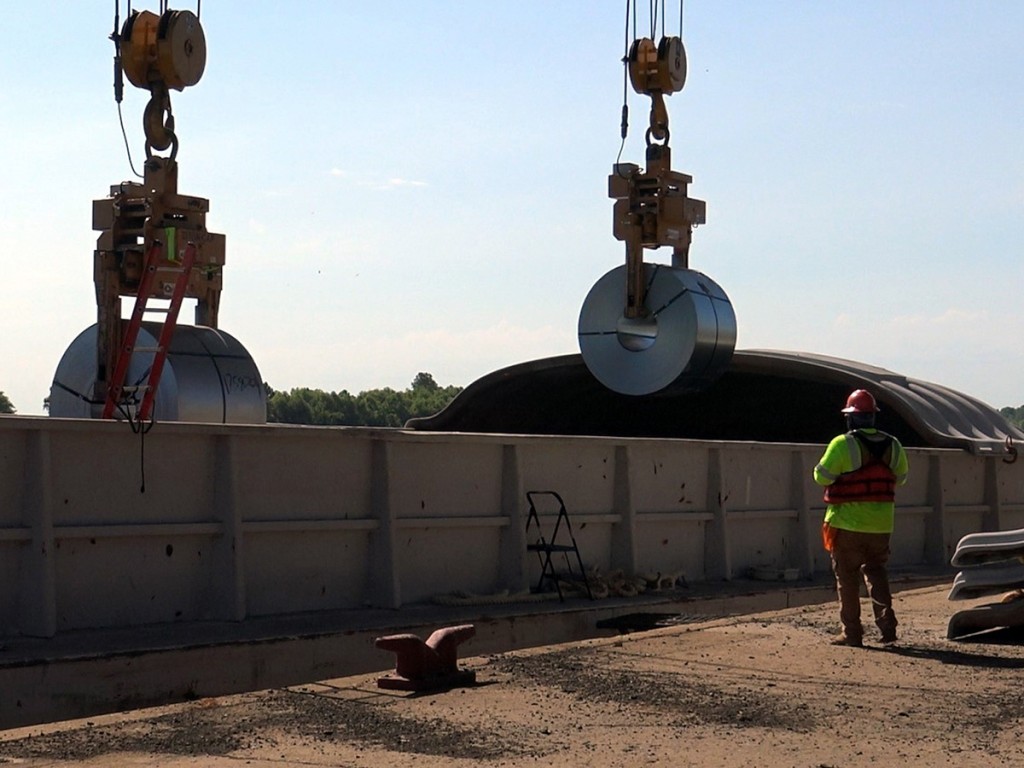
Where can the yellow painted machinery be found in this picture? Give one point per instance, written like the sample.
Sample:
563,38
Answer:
646,328
154,246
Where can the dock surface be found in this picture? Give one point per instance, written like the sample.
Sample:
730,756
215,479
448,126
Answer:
737,690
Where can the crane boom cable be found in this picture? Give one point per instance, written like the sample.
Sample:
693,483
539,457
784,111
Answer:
118,81
624,123
625,73
127,148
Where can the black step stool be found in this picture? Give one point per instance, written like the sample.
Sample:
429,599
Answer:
545,548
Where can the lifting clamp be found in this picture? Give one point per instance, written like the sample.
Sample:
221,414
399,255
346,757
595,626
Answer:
652,207
153,242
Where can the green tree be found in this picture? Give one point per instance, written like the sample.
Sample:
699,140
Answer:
424,381
6,406
426,397
1014,415
384,407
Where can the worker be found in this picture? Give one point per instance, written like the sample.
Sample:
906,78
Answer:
860,470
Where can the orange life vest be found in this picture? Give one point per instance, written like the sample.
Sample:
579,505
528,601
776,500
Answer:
872,481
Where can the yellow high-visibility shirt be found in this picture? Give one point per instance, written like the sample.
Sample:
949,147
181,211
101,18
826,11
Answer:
843,455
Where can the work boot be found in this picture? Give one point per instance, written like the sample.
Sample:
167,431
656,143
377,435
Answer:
844,639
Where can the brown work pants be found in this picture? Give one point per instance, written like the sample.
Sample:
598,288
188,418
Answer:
855,555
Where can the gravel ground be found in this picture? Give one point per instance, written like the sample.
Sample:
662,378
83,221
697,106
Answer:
737,691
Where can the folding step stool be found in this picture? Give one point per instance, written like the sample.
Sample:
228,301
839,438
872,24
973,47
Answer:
545,548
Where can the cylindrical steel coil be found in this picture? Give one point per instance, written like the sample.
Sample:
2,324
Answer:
684,342
208,377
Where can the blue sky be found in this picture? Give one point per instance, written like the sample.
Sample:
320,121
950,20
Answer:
421,186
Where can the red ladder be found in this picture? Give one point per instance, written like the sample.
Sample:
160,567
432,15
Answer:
156,263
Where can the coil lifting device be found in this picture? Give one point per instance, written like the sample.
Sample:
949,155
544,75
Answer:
647,328
153,242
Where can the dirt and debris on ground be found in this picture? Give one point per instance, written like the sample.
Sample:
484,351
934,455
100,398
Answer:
765,689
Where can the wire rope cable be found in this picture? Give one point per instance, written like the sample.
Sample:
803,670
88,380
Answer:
119,81
657,11
624,123
127,148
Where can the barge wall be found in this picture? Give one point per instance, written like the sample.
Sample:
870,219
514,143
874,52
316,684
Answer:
104,528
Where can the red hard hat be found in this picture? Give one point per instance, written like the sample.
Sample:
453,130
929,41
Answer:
860,401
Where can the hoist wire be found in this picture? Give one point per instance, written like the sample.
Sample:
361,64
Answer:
655,7
127,148
118,81
624,124
624,128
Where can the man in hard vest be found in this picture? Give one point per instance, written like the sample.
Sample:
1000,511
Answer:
860,471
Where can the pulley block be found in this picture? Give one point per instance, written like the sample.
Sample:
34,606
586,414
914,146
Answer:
657,68
168,49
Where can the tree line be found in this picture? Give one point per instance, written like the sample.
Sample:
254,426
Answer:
1014,415
373,408
382,407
